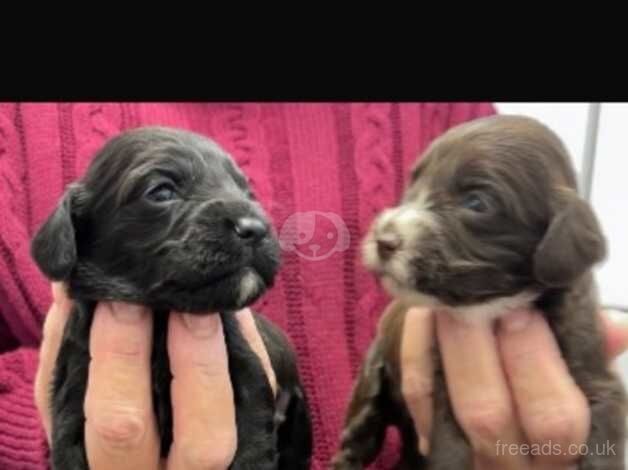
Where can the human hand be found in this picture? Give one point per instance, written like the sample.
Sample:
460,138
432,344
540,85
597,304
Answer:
120,427
510,386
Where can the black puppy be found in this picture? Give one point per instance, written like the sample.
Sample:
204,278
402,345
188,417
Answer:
164,218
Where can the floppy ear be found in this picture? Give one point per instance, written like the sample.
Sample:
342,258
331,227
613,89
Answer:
572,244
54,246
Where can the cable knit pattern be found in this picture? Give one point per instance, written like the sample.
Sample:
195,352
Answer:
22,440
348,160
237,129
374,163
8,161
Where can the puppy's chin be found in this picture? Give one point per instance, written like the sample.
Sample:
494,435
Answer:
236,286
473,313
408,295
400,285
232,292
250,288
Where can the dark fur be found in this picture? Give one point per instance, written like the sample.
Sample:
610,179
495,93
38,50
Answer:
107,241
538,235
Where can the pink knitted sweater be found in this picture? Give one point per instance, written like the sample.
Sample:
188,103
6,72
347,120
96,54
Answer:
334,165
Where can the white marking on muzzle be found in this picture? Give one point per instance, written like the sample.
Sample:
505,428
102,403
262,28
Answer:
248,287
408,222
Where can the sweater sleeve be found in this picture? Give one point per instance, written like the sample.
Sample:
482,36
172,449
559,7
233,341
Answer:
24,292
22,440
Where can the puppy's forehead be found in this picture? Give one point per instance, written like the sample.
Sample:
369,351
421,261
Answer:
179,151
135,157
443,169
505,149
177,163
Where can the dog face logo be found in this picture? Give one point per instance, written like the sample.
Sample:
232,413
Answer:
314,235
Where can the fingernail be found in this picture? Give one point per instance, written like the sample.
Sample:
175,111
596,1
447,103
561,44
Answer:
517,321
58,292
201,326
424,446
127,313
617,335
60,297
618,318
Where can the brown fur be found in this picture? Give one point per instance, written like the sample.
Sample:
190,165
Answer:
537,236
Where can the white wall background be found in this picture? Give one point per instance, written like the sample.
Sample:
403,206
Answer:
610,178
568,120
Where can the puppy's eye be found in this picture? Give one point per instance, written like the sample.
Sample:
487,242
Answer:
162,193
475,202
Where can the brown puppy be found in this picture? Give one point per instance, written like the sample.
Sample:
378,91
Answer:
490,222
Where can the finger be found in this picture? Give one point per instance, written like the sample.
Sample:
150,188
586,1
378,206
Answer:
552,409
615,326
53,328
417,370
202,397
478,389
120,427
252,335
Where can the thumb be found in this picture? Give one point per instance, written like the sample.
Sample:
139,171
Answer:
615,327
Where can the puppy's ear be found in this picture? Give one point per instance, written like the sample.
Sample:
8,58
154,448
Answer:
572,244
54,246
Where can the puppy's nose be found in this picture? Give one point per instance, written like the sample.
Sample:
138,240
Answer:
387,244
250,228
